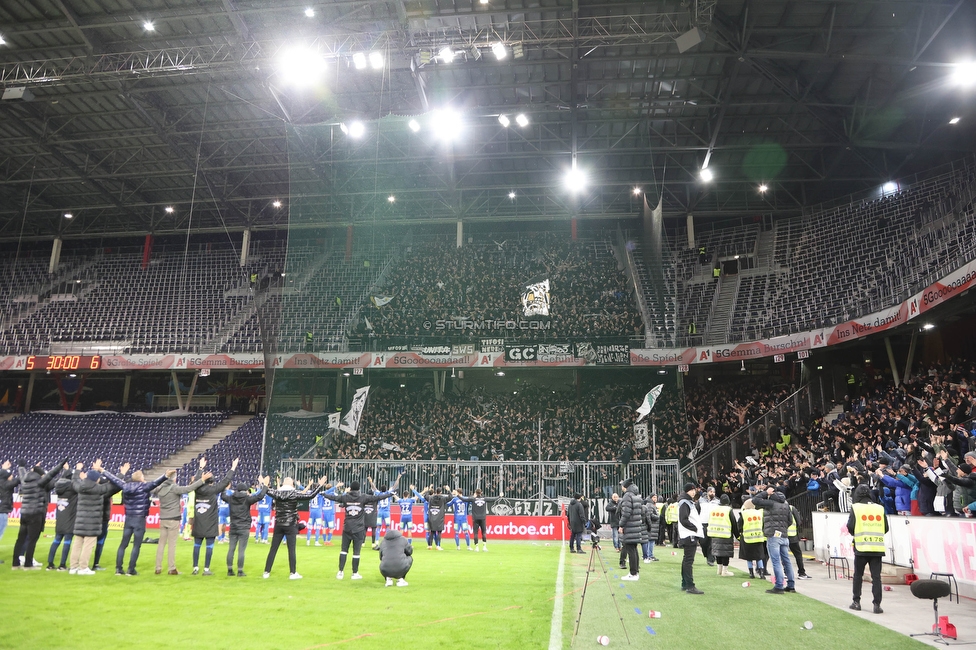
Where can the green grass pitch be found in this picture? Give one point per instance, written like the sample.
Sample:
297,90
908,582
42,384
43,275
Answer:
456,599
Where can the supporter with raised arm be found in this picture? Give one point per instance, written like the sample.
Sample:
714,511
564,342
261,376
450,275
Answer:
92,494
354,527
479,514
170,497
205,514
64,524
777,518
8,482
240,500
135,498
286,499
35,493
461,525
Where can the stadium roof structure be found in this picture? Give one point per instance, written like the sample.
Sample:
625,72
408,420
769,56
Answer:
115,110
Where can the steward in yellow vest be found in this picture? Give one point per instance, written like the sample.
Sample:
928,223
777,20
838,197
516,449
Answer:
868,523
722,531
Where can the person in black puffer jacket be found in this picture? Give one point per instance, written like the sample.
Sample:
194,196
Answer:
631,526
135,498
353,529
106,518
436,504
92,495
205,514
64,526
776,523
240,501
35,494
8,481
286,500
576,514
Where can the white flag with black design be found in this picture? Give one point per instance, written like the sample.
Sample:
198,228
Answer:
649,401
350,423
334,419
535,299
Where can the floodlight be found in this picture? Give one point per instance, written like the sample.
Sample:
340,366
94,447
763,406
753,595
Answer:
475,53
511,195
391,199
575,179
301,66
889,188
309,12
276,204
637,191
517,51
503,120
359,60
148,26
68,215
964,73
707,175
169,209
763,188
446,55
2,42
446,124
414,125
521,119
955,120
484,2
376,60
928,326
499,50
356,129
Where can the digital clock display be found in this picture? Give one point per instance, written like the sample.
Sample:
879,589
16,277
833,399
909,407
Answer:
63,362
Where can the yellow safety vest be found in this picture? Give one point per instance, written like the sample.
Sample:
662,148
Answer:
720,522
752,526
791,531
869,527
671,514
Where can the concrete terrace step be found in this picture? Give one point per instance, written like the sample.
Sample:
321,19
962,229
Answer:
200,445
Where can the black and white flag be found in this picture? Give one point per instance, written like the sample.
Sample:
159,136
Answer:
350,423
535,299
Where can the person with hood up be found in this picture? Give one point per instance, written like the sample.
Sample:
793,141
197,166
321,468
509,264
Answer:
135,498
88,516
396,558
777,518
436,502
576,514
868,523
240,501
631,526
35,493
170,497
205,514
64,525
354,528
286,500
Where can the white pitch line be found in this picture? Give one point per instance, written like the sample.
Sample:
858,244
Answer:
556,628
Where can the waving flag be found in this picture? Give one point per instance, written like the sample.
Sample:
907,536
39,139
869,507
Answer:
350,423
649,400
535,299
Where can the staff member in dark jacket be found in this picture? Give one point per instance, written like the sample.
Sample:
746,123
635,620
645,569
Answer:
240,502
396,558
135,498
286,500
479,516
205,514
106,518
88,516
868,523
631,526
689,530
576,514
8,481
354,530
436,502
777,517
35,493
64,526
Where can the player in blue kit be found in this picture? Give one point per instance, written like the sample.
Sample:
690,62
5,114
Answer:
223,519
406,514
383,518
185,507
315,520
328,513
461,525
264,520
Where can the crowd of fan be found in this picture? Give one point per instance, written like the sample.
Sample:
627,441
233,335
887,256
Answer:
590,297
716,409
914,445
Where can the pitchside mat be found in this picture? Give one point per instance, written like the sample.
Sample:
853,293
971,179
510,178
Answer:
513,596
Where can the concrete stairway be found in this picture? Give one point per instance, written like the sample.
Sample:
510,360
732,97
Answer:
718,321
834,413
195,448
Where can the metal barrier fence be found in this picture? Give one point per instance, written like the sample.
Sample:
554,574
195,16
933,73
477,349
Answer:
539,482
792,413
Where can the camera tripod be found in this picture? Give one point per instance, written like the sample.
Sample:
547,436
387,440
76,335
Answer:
595,556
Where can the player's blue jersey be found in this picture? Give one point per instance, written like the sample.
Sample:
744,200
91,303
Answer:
264,507
223,508
406,508
328,505
459,507
315,506
383,507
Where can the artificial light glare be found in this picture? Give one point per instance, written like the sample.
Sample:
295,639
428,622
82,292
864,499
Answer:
503,120
575,180
446,55
499,50
309,12
955,120
2,42
356,129
511,195
376,60
276,204
889,188
301,66
964,73
148,26
763,188
359,60
707,175
928,326
484,2
391,199
446,124
169,209
414,125
637,191
521,119
68,215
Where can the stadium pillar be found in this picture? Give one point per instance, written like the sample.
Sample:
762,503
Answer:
338,400
176,389
245,246
55,255
125,390
30,392
460,233
891,360
146,251
572,228
691,231
348,242
229,397
193,387
911,356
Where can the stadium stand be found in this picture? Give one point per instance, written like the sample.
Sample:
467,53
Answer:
244,443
